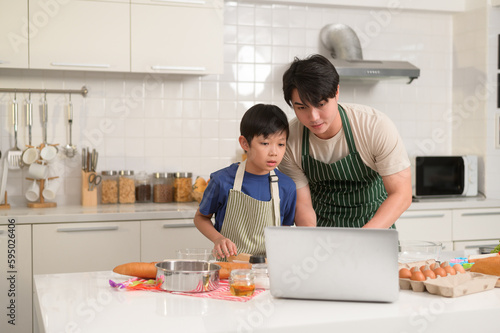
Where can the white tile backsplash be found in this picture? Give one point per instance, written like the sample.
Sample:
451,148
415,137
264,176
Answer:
167,123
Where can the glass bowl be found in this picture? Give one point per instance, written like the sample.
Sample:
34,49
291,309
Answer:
195,254
416,250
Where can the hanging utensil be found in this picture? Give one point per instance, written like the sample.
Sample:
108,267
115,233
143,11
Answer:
29,123
45,120
70,149
14,154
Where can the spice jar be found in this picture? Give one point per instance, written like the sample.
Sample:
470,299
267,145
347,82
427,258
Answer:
142,187
109,187
183,186
163,187
259,268
126,186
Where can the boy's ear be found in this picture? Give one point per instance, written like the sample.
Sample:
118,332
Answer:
243,143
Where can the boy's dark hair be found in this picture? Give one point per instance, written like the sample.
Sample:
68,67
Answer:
315,79
263,119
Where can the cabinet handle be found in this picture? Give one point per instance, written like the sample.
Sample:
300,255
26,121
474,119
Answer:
87,229
421,216
198,2
178,225
71,64
178,68
480,213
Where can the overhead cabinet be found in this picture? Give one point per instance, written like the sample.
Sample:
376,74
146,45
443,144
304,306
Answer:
13,34
80,35
144,36
177,36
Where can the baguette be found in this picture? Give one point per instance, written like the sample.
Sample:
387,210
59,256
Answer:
227,267
489,266
144,270
241,257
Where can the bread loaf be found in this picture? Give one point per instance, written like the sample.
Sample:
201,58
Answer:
490,266
227,267
145,270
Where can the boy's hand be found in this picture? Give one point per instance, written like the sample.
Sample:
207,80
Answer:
223,248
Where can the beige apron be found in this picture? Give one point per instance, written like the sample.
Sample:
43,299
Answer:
247,217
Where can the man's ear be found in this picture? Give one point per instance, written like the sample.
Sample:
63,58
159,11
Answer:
243,143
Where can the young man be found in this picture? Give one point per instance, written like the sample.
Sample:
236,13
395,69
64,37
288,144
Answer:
251,195
348,161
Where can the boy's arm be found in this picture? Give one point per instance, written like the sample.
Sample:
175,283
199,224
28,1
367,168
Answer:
223,247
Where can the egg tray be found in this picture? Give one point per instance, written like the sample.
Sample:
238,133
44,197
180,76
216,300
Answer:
448,286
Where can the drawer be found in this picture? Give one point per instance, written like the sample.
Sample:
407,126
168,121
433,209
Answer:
476,224
83,247
161,239
428,225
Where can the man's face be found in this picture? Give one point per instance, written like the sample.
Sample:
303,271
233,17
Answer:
323,121
264,154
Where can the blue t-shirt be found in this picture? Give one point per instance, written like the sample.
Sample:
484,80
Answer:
257,186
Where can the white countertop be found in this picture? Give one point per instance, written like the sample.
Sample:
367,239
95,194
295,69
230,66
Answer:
100,213
85,302
155,211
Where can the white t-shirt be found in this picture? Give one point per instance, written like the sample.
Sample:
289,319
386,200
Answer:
376,138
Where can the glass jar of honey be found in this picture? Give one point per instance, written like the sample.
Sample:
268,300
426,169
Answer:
241,282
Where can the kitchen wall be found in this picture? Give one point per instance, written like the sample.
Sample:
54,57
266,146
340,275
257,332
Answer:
181,123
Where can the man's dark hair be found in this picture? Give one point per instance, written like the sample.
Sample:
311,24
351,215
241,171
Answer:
263,119
315,79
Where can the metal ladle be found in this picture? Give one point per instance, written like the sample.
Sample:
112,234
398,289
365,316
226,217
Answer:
70,149
45,119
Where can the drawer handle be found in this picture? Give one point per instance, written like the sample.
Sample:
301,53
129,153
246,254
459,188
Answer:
178,225
481,214
198,2
421,216
178,68
87,229
70,64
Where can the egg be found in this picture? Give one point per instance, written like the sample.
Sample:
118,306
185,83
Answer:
414,269
434,266
458,268
417,276
404,273
428,273
440,271
444,264
449,270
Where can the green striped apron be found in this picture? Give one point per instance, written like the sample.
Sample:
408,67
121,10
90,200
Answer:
346,193
247,217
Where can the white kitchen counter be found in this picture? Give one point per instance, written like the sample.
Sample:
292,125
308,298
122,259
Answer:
100,213
84,302
154,211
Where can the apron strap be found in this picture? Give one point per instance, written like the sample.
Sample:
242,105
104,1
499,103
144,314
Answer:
275,191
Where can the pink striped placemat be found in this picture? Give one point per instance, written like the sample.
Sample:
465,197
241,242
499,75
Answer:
222,292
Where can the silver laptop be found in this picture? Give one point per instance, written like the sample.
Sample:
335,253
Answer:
348,264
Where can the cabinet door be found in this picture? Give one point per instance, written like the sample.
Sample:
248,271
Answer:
83,247
176,39
80,35
161,239
15,281
14,34
476,224
426,225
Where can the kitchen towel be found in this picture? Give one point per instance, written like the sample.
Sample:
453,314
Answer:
222,292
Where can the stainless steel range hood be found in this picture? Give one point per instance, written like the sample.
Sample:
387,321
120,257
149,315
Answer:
347,57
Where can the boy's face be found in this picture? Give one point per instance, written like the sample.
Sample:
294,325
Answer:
264,154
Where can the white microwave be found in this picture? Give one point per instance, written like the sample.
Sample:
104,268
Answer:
443,176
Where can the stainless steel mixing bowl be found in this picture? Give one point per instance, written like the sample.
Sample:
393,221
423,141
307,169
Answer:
192,276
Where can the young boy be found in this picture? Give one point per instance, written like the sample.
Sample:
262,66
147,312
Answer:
246,197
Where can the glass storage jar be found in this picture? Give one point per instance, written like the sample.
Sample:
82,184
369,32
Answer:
142,187
126,186
259,268
183,186
109,187
163,187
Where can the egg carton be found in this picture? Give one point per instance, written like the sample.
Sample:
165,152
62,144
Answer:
451,285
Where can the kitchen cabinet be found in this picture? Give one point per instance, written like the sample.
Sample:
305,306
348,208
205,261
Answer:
476,224
16,278
428,225
177,36
14,32
83,247
80,35
160,239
